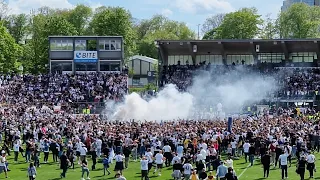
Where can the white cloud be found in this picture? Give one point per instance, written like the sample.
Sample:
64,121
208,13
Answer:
203,6
166,12
25,6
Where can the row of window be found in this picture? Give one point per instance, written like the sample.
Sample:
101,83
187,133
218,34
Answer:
141,67
61,66
247,59
81,45
110,45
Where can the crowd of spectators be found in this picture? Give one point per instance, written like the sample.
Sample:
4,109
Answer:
292,82
62,89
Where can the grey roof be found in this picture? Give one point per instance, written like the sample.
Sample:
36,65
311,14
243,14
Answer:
144,58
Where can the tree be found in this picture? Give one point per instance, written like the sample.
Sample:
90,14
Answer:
212,23
269,29
160,27
43,25
17,26
115,21
299,21
79,18
10,51
210,34
242,24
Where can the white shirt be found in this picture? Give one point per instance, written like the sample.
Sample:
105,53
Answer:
199,157
83,151
283,159
233,144
149,156
167,148
246,147
144,164
16,147
311,158
176,159
119,158
229,163
2,161
187,168
159,158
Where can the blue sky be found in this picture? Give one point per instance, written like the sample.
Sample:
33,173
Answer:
192,12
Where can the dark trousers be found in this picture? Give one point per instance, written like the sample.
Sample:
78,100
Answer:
301,173
94,162
46,156
310,168
284,171
266,169
16,155
64,171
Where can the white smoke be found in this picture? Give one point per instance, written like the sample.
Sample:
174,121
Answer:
167,105
210,90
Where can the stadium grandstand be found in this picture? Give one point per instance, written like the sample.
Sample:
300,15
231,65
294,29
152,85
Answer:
296,58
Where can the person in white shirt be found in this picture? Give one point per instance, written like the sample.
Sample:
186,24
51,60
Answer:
246,147
144,168
167,154
99,145
234,147
199,157
16,148
83,152
187,170
149,157
283,158
176,158
159,161
311,159
119,162
3,161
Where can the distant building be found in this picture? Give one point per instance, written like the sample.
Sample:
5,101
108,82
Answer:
141,66
288,3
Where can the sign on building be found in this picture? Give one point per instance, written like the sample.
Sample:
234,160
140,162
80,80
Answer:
85,56
151,76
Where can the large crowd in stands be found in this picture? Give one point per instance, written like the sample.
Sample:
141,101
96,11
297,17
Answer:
62,89
294,82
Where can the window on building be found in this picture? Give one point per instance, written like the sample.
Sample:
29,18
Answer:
302,56
61,45
109,65
213,59
86,66
80,45
238,59
271,57
104,66
60,66
109,45
179,59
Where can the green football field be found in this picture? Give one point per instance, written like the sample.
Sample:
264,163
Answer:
51,171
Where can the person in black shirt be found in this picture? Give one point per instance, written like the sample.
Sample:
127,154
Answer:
230,175
64,164
278,153
265,161
252,151
177,169
126,153
301,167
94,159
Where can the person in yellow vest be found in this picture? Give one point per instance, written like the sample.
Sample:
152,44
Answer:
194,175
84,111
88,111
316,92
298,111
249,110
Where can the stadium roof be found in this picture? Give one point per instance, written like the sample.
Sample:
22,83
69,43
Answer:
247,46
